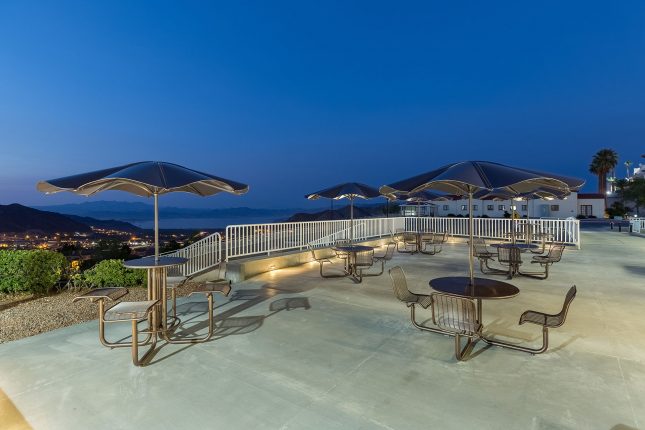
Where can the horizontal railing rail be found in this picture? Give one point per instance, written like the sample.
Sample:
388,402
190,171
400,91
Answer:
257,239
201,255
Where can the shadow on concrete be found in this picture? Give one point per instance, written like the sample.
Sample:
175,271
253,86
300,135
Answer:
227,323
638,270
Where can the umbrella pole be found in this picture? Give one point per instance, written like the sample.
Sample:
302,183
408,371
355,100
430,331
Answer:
156,227
351,219
471,245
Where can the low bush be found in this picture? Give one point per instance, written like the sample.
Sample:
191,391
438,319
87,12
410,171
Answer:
112,273
32,271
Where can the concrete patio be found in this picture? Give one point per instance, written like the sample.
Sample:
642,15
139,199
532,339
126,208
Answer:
345,356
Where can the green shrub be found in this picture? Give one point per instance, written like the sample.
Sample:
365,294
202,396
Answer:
33,271
112,273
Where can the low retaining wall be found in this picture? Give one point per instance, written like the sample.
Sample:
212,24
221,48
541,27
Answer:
239,270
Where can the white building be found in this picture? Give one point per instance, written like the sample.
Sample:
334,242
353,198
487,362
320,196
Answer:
587,204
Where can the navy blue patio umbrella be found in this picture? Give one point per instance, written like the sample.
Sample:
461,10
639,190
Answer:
468,177
348,190
147,179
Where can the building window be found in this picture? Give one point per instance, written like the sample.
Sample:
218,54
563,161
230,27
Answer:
555,208
586,210
490,207
445,207
525,207
501,207
475,207
464,207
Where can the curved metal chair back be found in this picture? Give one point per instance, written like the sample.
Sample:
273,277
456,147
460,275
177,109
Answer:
548,320
454,314
442,237
479,247
509,255
315,256
364,258
389,252
555,253
409,238
562,316
400,285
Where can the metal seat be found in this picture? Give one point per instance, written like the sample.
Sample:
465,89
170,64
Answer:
220,286
511,257
409,241
320,259
220,278
387,256
483,254
553,256
341,254
103,296
411,300
547,321
456,315
363,261
134,312
436,240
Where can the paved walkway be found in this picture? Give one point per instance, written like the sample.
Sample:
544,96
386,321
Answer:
346,357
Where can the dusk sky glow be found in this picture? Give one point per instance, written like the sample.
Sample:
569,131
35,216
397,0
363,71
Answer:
293,97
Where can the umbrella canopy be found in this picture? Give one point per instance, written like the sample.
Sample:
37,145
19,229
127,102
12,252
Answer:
146,178
348,190
419,197
468,177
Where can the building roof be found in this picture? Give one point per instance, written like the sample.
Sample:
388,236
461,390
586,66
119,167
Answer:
591,196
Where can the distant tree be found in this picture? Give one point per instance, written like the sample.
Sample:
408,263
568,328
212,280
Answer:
635,192
111,249
69,249
171,245
603,162
621,188
617,209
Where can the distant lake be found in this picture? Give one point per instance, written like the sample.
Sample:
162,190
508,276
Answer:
199,223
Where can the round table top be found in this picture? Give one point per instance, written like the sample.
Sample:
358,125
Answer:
483,288
515,245
353,248
151,263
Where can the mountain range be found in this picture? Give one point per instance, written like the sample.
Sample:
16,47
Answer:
137,211
16,218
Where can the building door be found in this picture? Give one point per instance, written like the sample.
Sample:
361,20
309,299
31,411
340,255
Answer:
586,210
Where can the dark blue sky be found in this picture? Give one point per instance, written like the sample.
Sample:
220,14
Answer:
291,97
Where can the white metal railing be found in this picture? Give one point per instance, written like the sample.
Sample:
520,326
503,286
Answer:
637,224
252,239
559,230
255,239
201,255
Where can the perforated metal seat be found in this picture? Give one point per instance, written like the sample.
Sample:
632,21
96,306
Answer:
103,297
317,256
457,315
547,321
409,241
553,256
134,312
127,311
387,256
550,320
411,300
434,240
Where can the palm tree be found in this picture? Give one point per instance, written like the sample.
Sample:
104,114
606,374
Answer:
603,162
